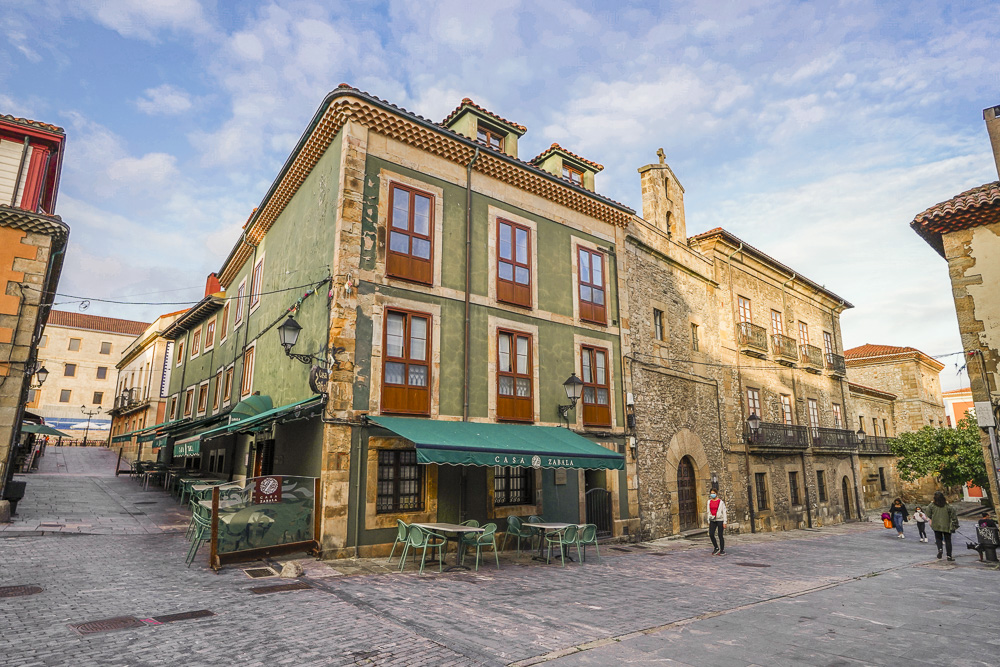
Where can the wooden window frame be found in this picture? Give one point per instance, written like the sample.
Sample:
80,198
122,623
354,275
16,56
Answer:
407,266
69,395
787,411
744,310
803,333
256,285
490,133
821,486
172,414
217,397
240,295
828,343
503,479
838,416
195,343
658,325
594,413
568,172
777,323
223,323
514,407
814,423
409,397
395,506
188,402
202,401
227,387
246,385
754,406
793,488
511,291
209,335
179,353
589,310
761,491
695,343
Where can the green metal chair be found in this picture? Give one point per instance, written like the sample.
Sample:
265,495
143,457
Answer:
487,538
518,532
560,538
202,533
587,535
402,528
419,538
466,539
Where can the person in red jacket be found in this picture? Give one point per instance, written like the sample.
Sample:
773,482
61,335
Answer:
717,522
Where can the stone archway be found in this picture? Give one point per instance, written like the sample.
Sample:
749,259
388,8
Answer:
687,495
685,448
845,490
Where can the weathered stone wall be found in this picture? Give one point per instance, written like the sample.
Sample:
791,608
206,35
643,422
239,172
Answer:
917,388
974,265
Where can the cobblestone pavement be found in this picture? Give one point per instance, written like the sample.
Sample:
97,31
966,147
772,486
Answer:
838,596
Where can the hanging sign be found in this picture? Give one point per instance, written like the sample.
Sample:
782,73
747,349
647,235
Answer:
318,379
267,490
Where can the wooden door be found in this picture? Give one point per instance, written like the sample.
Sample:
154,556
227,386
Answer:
845,489
687,498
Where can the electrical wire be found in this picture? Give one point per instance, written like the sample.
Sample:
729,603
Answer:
166,303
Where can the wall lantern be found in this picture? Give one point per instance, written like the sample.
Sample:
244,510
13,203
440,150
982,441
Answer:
42,374
861,435
288,334
574,388
753,423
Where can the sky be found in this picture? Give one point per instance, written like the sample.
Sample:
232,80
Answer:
813,131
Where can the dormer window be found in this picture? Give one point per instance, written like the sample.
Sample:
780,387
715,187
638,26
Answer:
491,138
572,175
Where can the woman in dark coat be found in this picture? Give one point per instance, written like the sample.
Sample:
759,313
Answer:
898,513
944,522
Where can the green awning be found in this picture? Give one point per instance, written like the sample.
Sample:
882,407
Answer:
250,407
188,446
124,437
477,444
160,441
41,429
149,433
262,420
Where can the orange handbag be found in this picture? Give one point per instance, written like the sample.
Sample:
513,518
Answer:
887,522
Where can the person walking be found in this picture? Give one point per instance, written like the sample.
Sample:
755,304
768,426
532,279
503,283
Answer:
944,522
717,522
899,515
921,520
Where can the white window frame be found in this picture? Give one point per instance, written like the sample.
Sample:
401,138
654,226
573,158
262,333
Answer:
247,378
194,351
223,322
260,287
179,350
205,347
194,400
241,295
217,396
227,399
197,398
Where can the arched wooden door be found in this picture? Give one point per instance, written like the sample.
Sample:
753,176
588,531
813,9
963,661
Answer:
687,497
845,489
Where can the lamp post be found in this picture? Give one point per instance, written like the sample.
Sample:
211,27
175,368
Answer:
753,424
861,436
574,388
89,413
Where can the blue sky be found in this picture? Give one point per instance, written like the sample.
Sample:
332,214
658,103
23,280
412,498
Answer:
814,131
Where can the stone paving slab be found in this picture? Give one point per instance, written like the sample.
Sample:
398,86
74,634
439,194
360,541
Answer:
841,596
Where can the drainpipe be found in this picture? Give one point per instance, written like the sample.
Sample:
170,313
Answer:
784,305
739,378
843,403
468,278
802,455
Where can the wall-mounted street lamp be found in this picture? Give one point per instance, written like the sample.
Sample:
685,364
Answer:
753,423
861,435
41,375
288,334
574,388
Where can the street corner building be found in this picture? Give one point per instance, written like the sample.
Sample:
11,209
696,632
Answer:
421,320
32,249
965,231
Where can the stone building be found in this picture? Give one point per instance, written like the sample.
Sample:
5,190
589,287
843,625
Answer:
140,397
80,352
965,231
911,375
879,477
32,245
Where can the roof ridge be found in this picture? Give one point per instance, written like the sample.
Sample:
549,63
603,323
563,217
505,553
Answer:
467,102
556,147
33,123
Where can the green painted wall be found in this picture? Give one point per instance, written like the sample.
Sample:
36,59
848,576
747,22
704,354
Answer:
297,250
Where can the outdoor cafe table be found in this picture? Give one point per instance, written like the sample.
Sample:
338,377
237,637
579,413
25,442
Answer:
457,528
546,527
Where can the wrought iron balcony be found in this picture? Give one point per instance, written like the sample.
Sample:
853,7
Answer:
785,349
812,358
835,364
833,439
128,400
752,339
771,437
876,444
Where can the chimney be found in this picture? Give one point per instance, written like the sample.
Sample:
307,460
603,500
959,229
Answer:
992,118
663,199
212,285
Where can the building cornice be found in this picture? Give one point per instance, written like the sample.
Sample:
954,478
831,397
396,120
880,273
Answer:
349,104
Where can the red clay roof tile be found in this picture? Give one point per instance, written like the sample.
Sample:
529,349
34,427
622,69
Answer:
870,352
33,123
972,208
96,323
466,102
556,147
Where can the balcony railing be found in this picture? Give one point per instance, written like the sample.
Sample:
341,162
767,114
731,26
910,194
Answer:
784,347
812,357
876,444
752,338
833,438
835,364
777,436
129,399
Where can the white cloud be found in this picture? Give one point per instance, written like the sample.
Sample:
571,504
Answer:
143,19
165,100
